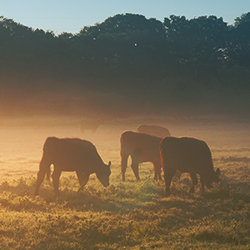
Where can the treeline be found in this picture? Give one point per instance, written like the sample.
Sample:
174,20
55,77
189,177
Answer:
177,61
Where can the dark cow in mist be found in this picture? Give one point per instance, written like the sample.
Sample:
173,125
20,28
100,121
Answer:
141,148
154,130
71,154
187,155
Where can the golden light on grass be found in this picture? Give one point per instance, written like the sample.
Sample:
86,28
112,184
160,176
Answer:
125,215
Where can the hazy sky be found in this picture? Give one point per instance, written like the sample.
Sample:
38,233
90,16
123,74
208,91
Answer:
72,15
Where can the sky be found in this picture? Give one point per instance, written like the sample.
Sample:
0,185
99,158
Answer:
72,15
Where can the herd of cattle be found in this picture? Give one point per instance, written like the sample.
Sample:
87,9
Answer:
149,144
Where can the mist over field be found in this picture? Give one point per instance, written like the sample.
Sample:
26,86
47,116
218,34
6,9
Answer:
22,138
127,65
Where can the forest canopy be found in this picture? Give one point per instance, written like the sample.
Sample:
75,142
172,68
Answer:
127,60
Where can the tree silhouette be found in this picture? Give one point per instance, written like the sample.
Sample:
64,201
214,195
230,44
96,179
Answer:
177,60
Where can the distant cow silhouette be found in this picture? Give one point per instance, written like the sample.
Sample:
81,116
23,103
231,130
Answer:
154,130
71,154
90,124
187,155
141,148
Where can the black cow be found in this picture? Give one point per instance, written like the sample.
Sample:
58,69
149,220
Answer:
187,155
71,154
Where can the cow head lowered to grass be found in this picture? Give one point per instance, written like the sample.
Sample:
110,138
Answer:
71,154
187,155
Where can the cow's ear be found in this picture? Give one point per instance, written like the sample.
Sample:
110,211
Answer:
109,163
218,172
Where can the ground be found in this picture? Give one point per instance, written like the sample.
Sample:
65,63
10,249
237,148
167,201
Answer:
126,215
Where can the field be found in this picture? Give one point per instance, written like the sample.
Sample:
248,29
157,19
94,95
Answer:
126,215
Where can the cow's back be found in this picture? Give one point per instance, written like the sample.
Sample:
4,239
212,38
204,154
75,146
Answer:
154,130
69,152
186,154
69,145
144,145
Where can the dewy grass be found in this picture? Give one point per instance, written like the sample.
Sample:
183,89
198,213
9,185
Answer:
122,216
130,215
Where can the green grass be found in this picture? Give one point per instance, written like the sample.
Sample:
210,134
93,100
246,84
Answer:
128,215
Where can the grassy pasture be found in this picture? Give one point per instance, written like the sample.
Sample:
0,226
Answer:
126,215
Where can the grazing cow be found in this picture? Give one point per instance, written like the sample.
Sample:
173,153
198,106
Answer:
154,130
141,148
71,154
187,155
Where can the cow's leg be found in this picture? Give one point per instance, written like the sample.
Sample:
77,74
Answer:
135,167
80,177
159,177
124,163
202,183
48,174
85,178
55,176
168,175
40,177
209,185
194,181
157,169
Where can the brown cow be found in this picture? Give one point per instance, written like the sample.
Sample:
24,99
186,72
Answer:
141,148
187,155
71,154
154,130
